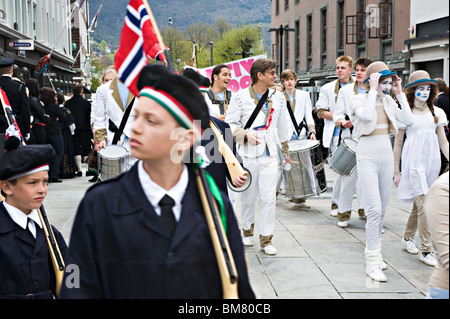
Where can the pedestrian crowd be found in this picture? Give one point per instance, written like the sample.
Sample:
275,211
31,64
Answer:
190,147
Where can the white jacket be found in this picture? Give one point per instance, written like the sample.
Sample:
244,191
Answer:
327,101
364,116
343,107
241,108
108,106
302,109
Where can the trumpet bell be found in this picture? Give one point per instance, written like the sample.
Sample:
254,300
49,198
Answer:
244,187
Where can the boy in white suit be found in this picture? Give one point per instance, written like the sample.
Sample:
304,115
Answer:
111,101
325,108
342,120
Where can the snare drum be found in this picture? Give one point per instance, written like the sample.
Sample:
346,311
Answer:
307,176
343,159
112,161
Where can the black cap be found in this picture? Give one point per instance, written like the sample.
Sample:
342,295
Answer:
6,62
19,160
202,81
157,79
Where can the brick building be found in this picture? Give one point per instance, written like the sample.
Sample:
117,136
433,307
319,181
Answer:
321,31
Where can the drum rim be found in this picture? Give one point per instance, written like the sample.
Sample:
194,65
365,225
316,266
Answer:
315,144
346,146
113,157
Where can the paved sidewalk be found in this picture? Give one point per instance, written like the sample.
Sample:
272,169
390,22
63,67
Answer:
316,259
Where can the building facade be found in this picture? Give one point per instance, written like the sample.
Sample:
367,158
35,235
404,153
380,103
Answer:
47,26
321,31
429,37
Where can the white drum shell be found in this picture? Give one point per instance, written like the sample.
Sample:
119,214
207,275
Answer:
343,159
112,161
307,175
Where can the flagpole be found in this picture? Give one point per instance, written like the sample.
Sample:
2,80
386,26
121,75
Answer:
158,35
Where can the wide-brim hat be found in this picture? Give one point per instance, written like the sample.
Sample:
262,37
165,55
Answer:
179,95
20,160
420,77
378,67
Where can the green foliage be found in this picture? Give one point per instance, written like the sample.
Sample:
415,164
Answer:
95,83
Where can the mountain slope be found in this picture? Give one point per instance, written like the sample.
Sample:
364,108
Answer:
183,14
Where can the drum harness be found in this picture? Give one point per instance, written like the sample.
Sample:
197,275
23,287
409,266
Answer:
215,100
118,131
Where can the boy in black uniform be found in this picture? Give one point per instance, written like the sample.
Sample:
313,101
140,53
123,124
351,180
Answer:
121,240
26,271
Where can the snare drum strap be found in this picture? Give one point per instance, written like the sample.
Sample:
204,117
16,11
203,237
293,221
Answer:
126,114
298,128
256,110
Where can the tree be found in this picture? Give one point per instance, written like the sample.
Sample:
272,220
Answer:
180,48
222,26
242,40
202,32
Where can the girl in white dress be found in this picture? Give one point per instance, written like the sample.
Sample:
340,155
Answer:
420,157
374,116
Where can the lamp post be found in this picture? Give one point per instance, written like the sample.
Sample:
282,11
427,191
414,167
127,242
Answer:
212,52
281,30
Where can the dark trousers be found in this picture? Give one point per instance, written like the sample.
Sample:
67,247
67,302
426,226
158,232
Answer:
57,142
82,142
39,134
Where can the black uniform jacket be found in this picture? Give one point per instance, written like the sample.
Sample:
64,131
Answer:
19,102
123,249
26,270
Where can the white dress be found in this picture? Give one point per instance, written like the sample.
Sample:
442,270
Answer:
421,159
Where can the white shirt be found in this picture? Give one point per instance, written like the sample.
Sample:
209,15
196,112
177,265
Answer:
21,219
155,193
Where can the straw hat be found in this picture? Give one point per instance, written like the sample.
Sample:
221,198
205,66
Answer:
420,77
378,67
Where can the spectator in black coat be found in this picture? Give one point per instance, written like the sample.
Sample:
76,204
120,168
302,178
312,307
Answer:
40,119
53,131
442,96
81,110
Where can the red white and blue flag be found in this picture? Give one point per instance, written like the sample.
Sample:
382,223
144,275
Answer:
13,128
138,42
94,21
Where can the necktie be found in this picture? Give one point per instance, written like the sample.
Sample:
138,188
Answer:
167,216
29,220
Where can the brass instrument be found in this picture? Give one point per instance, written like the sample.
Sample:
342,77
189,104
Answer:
234,167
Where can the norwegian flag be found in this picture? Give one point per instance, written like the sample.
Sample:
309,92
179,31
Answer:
13,128
138,42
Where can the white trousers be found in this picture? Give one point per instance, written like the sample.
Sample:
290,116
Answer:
376,184
337,177
348,186
264,172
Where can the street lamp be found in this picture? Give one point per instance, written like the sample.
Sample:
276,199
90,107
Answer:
281,30
212,46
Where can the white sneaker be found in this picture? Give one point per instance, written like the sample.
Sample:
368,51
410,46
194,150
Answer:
376,274
269,250
248,241
343,224
410,245
383,266
429,259
334,212
303,205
